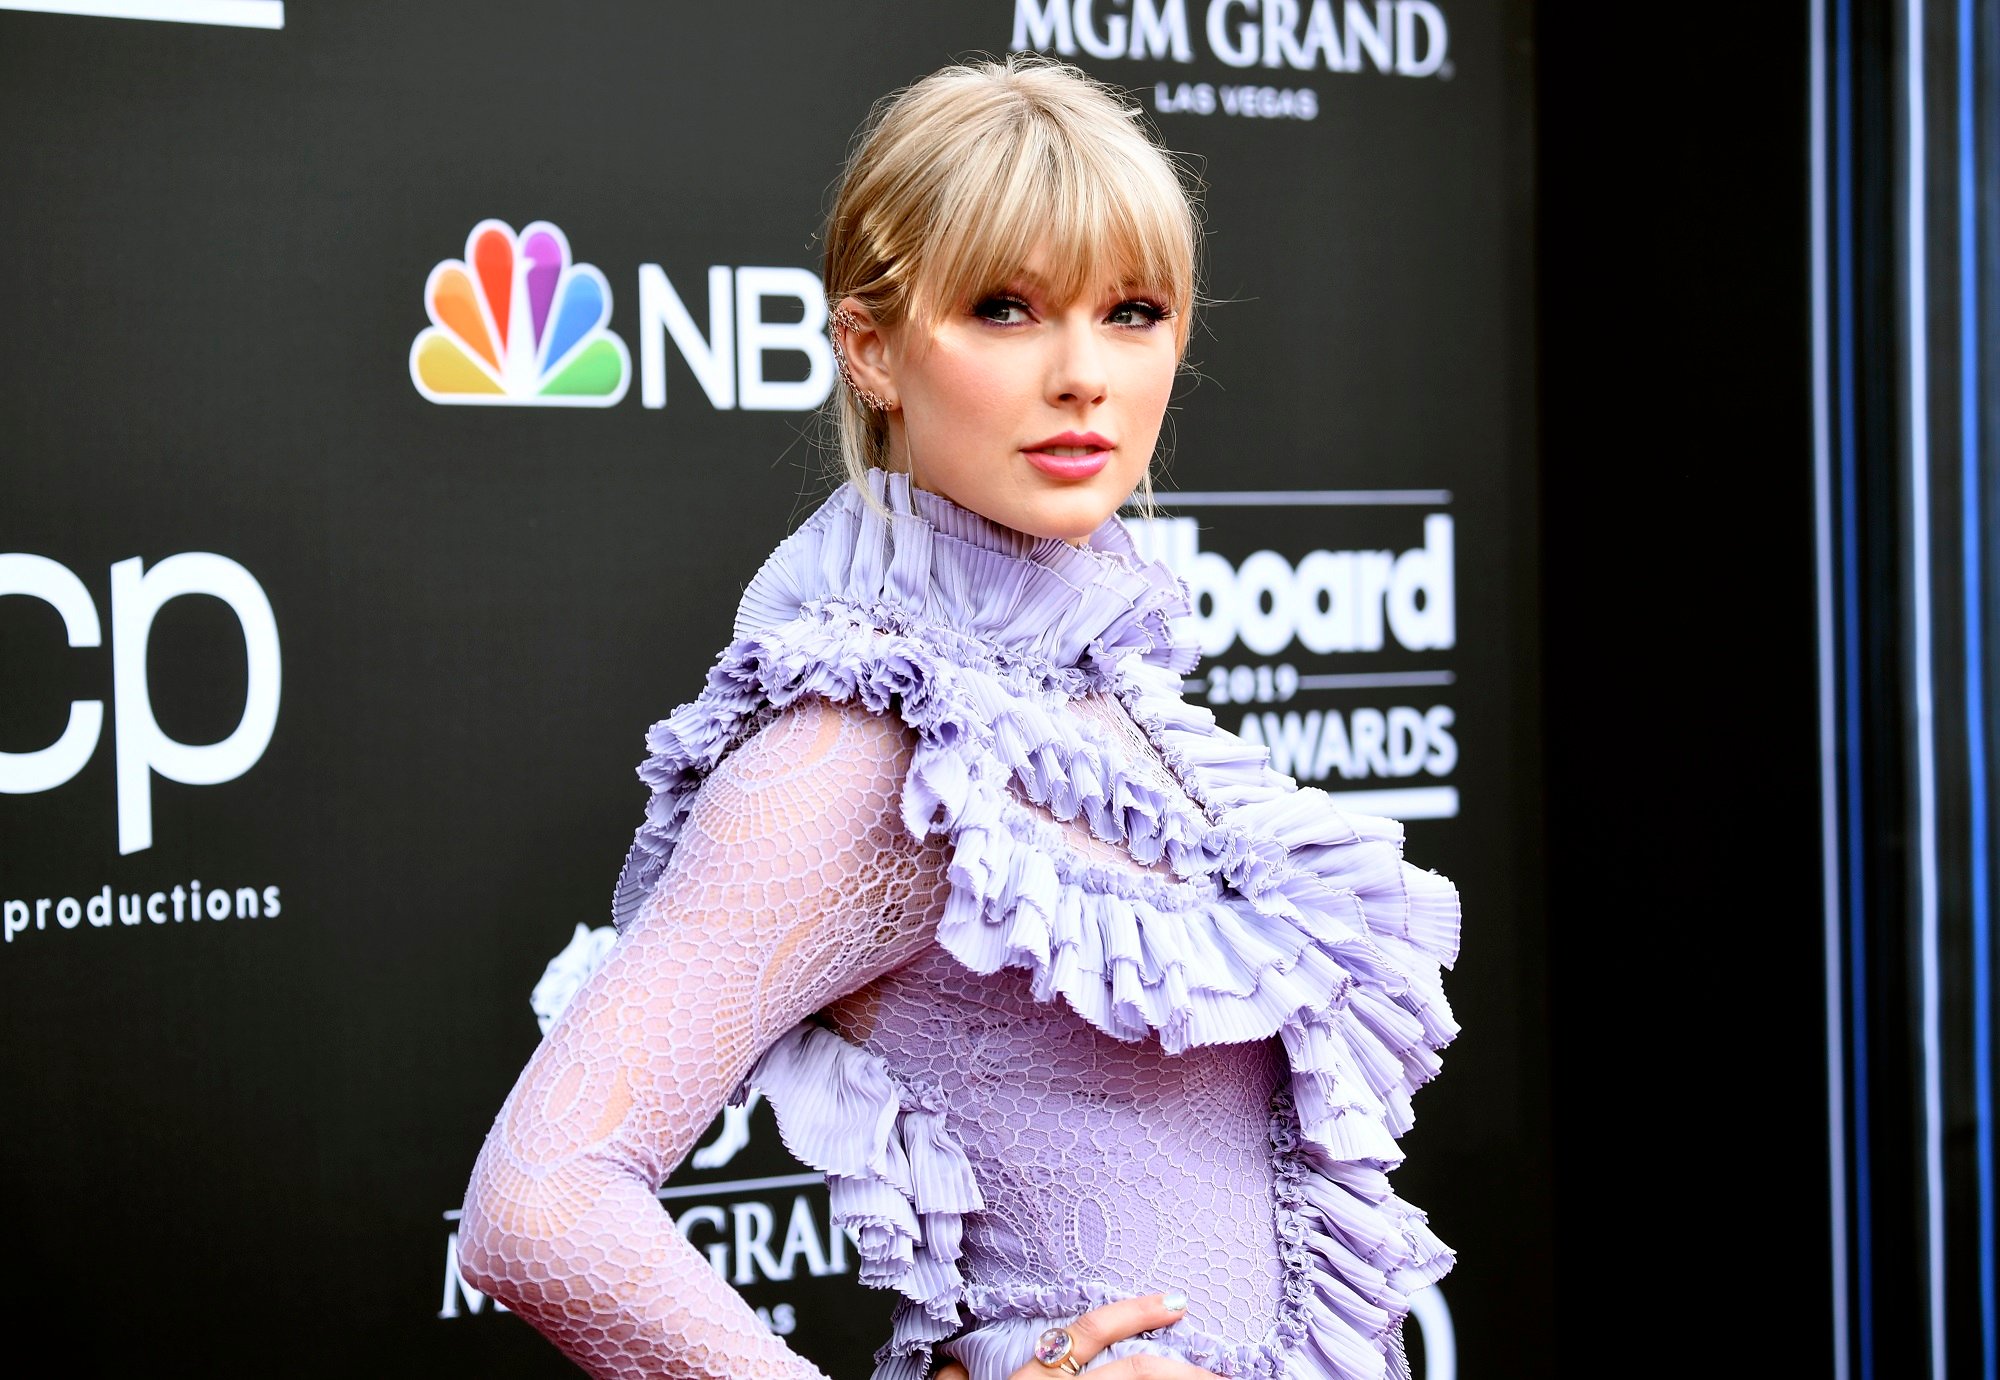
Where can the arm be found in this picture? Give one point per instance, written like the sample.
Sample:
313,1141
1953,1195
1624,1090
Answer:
793,883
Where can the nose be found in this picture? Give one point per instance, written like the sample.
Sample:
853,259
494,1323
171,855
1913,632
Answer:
1077,364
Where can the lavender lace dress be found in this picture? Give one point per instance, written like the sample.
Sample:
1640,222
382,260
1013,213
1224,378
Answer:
1066,992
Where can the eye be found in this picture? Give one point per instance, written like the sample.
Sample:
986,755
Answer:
996,307
1142,313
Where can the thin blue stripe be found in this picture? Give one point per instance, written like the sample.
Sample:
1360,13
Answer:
1975,683
1850,599
1826,636
1923,664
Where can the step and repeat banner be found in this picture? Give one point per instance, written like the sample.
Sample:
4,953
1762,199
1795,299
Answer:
394,398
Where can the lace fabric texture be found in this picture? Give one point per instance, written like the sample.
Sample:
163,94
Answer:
794,883
1101,1004
1106,1168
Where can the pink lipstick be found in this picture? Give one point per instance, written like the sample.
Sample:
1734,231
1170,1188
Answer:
1073,455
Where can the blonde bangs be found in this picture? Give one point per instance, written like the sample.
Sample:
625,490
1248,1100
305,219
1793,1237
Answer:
1106,220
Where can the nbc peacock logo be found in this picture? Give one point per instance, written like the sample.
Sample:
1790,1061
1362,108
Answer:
517,322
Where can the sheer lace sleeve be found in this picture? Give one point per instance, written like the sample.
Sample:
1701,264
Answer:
794,883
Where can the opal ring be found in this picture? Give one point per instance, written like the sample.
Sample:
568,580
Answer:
1053,1349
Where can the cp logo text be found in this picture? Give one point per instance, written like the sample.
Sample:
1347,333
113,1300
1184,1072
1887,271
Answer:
137,596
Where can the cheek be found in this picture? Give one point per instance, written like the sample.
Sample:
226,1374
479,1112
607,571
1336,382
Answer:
1149,385
965,384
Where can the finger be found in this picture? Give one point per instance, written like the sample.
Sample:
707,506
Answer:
954,1371
1122,1318
1151,1368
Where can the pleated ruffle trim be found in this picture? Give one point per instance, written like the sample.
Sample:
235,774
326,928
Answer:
1273,913
897,1181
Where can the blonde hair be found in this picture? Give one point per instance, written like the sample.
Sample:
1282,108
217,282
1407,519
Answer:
956,178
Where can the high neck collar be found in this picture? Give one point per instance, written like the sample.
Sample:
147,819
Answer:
918,557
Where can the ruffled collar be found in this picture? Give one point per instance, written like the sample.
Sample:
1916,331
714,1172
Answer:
915,558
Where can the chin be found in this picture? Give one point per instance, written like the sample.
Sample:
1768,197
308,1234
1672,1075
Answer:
1064,517
1048,510
1071,512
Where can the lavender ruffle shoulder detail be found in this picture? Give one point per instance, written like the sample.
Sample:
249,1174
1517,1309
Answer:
1270,912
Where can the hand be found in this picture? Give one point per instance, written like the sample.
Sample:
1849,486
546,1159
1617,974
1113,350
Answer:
1099,1328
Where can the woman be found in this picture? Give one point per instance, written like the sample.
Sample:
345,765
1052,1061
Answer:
1102,1031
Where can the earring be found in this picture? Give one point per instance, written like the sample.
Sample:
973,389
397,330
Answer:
845,320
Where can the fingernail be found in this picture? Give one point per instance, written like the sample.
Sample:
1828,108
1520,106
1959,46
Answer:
1174,1302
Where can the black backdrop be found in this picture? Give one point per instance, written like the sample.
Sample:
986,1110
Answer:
236,1142
1681,731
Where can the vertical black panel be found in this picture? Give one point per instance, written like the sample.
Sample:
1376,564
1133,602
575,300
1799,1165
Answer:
1679,691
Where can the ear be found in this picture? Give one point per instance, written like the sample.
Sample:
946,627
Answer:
866,349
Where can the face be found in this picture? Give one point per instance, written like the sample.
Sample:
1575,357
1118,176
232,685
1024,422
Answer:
1040,415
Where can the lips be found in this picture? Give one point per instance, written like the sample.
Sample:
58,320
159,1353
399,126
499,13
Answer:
1073,455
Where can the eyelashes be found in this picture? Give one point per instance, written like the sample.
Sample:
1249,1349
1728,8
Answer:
1150,311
